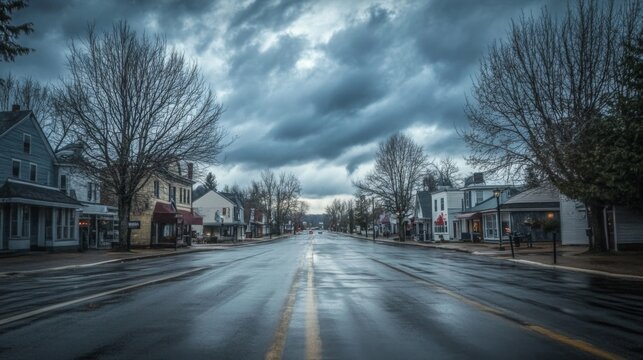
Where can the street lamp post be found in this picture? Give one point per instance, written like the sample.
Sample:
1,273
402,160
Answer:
374,219
497,194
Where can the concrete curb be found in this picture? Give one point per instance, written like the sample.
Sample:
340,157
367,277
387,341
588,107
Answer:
571,268
142,257
520,261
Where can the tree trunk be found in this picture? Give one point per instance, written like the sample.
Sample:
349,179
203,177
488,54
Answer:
401,229
595,219
123,228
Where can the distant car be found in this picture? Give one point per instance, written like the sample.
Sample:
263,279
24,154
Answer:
310,232
319,232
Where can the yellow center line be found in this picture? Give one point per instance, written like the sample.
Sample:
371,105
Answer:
313,340
277,349
558,337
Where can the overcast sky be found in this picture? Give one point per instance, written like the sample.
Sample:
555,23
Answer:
309,87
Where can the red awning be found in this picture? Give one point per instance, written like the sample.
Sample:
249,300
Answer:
164,213
191,219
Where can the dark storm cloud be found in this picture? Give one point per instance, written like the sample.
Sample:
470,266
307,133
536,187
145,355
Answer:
250,61
259,16
57,22
380,69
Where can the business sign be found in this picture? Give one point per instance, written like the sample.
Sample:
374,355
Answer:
134,225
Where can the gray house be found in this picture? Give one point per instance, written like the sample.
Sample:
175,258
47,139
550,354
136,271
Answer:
423,213
34,213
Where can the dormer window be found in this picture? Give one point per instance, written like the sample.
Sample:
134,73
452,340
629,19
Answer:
26,143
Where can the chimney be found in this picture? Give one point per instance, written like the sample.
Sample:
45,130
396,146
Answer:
190,170
15,107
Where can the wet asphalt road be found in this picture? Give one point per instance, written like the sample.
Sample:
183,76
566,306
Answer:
319,296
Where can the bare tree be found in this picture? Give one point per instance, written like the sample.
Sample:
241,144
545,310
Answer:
446,172
299,214
286,198
140,108
540,90
400,166
29,94
336,214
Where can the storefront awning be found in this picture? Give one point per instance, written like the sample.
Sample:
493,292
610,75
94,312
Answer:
468,216
190,218
164,213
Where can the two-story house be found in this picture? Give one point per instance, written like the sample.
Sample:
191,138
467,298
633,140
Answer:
447,203
162,214
34,214
423,213
98,223
223,215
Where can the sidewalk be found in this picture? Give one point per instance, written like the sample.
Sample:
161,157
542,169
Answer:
625,264
41,261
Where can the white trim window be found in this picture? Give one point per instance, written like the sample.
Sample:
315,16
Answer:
440,229
65,228
490,226
19,221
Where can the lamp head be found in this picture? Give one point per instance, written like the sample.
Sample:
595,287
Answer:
497,193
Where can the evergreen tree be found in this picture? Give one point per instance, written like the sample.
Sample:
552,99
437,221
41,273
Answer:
9,48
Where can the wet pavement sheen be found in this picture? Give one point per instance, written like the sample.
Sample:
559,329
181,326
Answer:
322,296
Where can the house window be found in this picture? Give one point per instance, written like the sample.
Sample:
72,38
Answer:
490,226
63,183
65,228
435,205
224,211
19,221
181,195
33,172
188,194
15,170
157,189
26,143
479,196
440,228
441,203
90,191
48,221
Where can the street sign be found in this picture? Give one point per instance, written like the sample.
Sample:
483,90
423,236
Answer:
134,225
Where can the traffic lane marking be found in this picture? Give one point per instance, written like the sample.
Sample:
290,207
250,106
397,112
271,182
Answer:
558,337
61,305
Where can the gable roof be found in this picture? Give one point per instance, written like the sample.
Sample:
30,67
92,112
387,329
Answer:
9,119
540,197
232,197
424,200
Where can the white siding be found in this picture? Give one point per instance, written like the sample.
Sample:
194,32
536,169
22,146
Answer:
573,222
629,226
